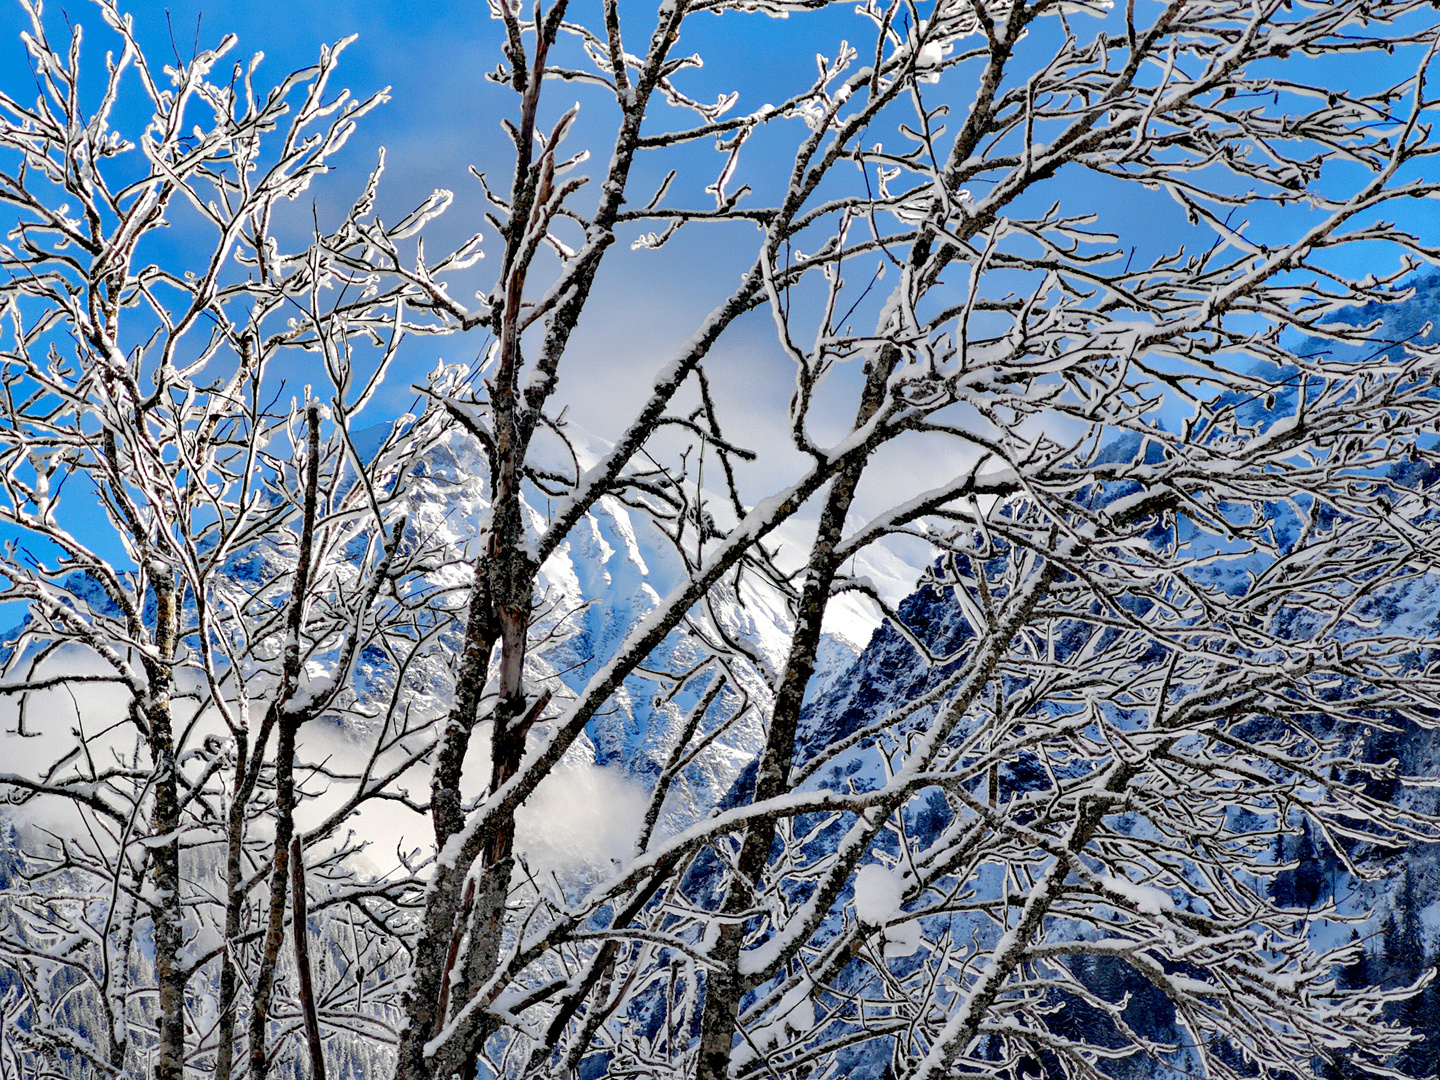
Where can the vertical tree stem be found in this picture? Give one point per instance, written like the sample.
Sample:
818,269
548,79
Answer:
299,924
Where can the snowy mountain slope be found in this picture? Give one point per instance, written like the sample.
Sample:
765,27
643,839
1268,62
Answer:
609,574
613,571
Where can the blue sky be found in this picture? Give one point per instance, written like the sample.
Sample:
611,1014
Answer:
444,116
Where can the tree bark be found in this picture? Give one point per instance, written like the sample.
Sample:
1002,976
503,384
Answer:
168,911
279,882
724,986
300,927
234,908
289,722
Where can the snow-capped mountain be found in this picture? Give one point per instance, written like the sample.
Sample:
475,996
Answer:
611,571
614,569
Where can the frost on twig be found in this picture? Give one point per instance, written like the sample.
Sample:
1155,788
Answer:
524,738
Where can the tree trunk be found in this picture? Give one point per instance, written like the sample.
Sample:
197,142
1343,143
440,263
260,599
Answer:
168,911
300,927
724,987
279,882
234,905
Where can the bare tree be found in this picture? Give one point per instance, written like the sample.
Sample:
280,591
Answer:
237,567
1162,579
